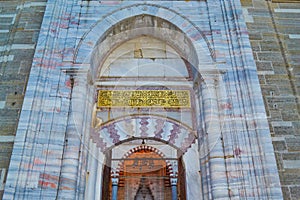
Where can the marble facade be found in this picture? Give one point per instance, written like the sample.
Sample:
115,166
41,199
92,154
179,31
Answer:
85,46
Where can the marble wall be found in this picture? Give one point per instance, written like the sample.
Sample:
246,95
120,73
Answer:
53,150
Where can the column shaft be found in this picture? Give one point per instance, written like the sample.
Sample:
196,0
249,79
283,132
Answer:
174,188
114,195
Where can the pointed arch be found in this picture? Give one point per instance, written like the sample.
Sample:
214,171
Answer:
170,166
200,52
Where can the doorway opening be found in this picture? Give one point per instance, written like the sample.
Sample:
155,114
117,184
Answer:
144,173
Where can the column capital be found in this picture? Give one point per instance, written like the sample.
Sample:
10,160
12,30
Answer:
174,181
115,180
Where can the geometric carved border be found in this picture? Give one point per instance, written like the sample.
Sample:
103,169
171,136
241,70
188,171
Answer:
152,149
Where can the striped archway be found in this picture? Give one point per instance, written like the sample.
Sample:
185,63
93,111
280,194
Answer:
171,168
152,127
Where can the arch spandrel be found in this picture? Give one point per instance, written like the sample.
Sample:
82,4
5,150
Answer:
151,127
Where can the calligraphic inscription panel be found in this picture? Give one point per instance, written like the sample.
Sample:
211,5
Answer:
144,98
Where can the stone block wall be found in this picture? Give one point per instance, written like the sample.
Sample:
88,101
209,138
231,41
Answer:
274,33
20,22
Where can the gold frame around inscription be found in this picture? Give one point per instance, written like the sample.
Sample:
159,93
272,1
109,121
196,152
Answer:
144,98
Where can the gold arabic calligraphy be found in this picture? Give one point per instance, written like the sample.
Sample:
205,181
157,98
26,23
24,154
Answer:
144,98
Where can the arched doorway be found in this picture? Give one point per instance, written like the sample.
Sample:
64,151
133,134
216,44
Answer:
145,172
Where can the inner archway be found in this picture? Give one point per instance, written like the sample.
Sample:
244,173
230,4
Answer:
145,172
144,175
